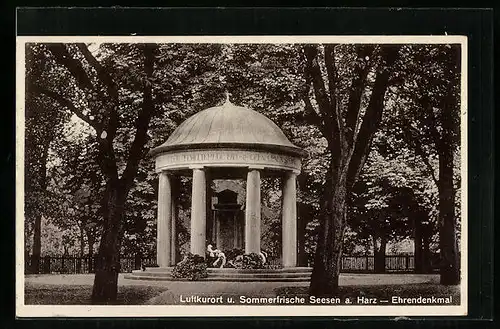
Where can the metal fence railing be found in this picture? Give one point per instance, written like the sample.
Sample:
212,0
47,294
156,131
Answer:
82,265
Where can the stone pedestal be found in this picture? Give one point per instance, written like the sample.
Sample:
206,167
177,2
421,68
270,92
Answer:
164,221
289,221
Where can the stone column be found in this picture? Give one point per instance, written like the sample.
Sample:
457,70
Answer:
215,215
217,241
175,212
252,212
198,212
235,231
208,193
164,220
289,221
242,230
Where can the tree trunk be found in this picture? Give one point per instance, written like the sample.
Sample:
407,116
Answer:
91,241
367,247
108,263
417,239
302,255
37,230
37,244
426,252
304,214
105,288
82,242
450,272
82,251
328,257
379,256
348,149
301,235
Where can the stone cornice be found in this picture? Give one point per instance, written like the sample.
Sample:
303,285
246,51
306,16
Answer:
226,157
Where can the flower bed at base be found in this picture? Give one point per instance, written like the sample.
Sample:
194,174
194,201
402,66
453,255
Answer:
192,267
248,262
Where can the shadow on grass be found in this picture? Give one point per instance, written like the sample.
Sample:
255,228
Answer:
48,294
383,292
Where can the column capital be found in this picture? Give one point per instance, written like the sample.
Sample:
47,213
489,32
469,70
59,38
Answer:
168,173
192,167
293,171
256,167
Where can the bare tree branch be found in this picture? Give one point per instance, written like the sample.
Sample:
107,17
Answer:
74,66
361,69
101,72
143,119
111,117
311,112
373,115
106,153
66,103
413,137
318,121
316,77
327,113
335,112
434,132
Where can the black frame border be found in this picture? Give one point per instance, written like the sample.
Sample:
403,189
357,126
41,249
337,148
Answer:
476,24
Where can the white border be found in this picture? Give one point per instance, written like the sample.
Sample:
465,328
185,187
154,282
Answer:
240,310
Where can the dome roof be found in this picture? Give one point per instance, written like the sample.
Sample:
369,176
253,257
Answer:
228,125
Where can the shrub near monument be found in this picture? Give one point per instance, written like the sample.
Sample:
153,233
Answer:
250,261
192,267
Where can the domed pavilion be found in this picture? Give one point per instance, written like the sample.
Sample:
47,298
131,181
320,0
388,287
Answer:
219,143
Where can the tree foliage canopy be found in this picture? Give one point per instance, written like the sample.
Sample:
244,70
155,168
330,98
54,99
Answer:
380,124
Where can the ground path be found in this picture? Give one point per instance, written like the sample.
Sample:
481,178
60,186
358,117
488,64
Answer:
175,289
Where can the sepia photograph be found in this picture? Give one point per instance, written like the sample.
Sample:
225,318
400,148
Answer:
241,176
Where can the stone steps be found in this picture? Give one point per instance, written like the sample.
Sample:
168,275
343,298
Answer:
264,270
260,274
221,278
233,270
155,269
233,275
296,274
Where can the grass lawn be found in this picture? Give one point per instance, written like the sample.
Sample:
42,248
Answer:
383,292
77,289
51,294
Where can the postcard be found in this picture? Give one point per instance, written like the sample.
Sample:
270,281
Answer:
241,176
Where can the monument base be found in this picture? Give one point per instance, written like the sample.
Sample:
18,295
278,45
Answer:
292,274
